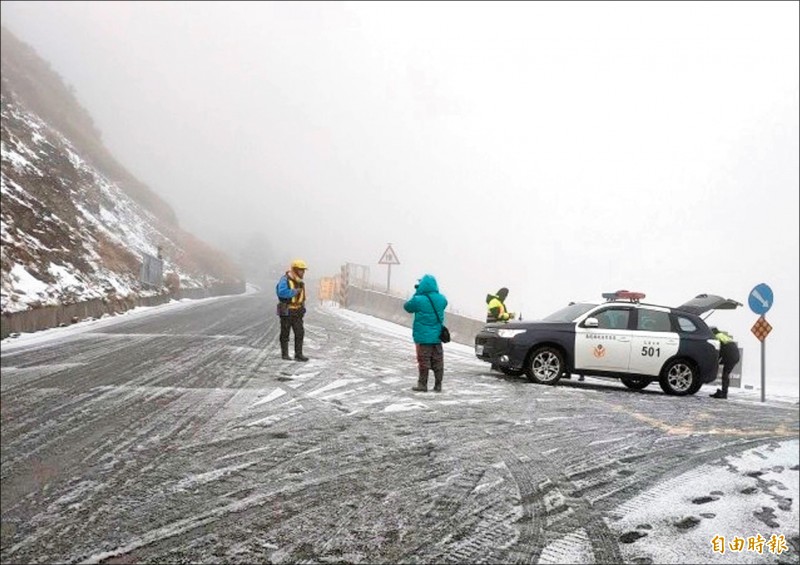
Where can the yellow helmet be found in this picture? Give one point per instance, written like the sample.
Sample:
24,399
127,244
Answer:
299,264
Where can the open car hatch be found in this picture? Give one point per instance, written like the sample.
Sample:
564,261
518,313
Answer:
703,303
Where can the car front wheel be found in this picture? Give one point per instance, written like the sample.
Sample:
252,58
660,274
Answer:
545,366
679,377
635,383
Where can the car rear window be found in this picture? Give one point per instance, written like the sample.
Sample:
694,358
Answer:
653,321
686,325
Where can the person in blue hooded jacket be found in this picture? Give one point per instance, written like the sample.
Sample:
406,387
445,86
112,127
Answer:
428,306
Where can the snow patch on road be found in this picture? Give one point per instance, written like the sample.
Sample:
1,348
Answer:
572,548
393,380
405,406
277,393
334,385
50,366
203,478
611,440
745,495
269,420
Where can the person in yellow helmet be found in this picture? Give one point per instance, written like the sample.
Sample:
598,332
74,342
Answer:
291,293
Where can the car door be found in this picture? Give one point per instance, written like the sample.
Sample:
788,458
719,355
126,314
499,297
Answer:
608,346
653,341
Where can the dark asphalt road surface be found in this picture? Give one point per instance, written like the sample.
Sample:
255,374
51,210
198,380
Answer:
181,436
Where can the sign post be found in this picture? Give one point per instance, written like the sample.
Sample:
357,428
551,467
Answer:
389,258
760,301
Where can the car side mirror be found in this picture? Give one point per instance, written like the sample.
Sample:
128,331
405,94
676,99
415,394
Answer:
590,323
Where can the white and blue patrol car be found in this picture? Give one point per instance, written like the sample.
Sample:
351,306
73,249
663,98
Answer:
621,337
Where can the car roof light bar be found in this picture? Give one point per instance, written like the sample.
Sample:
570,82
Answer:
623,295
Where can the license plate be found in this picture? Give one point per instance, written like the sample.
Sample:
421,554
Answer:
478,350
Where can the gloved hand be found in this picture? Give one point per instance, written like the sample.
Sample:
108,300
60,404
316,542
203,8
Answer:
299,284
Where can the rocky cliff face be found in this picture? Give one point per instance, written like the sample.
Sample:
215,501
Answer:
74,223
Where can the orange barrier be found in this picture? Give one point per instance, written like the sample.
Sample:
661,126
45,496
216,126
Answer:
328,289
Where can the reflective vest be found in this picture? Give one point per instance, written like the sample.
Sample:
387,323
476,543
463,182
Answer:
723,337
502,315
296,302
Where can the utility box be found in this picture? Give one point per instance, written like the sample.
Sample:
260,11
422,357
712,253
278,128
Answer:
150,274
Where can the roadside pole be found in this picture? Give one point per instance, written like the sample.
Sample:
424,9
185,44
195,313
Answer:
389,258
760,301
763,369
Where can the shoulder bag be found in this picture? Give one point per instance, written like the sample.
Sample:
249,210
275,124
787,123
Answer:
444,335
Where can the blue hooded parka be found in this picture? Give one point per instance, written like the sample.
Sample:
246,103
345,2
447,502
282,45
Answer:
426,327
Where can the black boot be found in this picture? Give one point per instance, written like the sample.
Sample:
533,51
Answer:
437,385
298,356
422,382
285,352
718,394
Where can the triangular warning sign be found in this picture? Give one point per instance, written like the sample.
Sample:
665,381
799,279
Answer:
389,257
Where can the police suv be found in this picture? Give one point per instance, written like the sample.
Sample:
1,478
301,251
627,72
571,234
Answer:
621,337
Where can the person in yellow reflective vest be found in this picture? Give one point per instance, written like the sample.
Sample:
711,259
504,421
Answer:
496,304
728,358
291,293
496,311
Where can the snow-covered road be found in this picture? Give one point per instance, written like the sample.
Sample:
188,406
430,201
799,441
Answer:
181,436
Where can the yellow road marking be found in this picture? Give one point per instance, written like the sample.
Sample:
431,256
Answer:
685,428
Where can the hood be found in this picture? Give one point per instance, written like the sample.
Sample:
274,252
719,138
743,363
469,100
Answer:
703,303
427,284
501,295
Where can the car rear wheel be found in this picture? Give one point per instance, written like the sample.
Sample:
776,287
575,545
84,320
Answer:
635,383
679,377
696,386
545,366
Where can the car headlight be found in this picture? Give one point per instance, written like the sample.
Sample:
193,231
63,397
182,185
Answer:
510,333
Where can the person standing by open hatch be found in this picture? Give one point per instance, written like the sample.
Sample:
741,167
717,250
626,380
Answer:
291,293
428,306
728,358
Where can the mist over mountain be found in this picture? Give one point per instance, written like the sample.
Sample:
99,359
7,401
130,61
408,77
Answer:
75,223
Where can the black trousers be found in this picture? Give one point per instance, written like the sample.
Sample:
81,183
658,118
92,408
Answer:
729,357
292,323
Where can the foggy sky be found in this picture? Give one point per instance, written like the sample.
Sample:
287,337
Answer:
559,149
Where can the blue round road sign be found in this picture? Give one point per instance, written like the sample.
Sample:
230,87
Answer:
760,299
